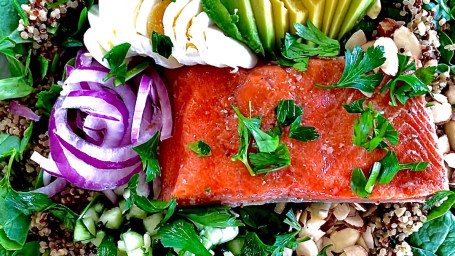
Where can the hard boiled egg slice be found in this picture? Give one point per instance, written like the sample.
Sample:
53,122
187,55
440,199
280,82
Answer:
95,49
170,16
144,10
184,51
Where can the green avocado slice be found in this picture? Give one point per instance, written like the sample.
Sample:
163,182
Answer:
246,23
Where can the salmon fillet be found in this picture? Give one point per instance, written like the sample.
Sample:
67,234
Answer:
320,170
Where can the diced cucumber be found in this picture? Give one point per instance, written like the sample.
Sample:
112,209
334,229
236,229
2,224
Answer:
98,238
90,225
121,253
206,243
122,205
126,193
121,245
112,218
138,252
80,232
132,240
99,207
91,214
136,212
228,254
220,235
235,246
151,222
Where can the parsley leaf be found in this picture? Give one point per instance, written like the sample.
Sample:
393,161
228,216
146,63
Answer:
303,133
323,251
161,44
180,234
355,106
253,246
382,172
296,53
46,99
149,157
244,143
358,183
371,129
200,148
265,142
149,206
412,85
213,216
391,166
116,59
264,162
287,112
358,63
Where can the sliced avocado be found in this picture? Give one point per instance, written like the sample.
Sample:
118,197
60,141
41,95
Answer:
262,10
356,12
246,24
316,11
280,20
297,13
337,21
329,12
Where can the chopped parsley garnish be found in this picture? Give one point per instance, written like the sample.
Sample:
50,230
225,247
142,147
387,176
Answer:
372,128
303,133
116,59
161,44
412,85
264,162
296,53
149,157
358,63
382,172
213,216
287,112
200,148
272,154
181,234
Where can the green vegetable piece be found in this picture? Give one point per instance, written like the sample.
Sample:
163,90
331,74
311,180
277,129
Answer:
214,216
264,162
358,63
436,236
116,59
246,24
112,218
200,148
253,246
180,234
323,251
46,99
358,183
391,166
355,106
235,246
287,112
263,14
303,133
265,142
132,240
222,18
107,247
151,223
355,13
161,44
149,157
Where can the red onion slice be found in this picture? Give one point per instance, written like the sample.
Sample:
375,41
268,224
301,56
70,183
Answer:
23,111
165,105
53,188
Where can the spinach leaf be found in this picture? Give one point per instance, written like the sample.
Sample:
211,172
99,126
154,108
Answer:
10,17
20,83
436,236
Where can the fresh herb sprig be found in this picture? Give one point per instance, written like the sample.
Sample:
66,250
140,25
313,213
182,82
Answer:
200,148
296,53
445,206
149,156
382,172
412,85
272,154
161,44
358,63
372,128
117,64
